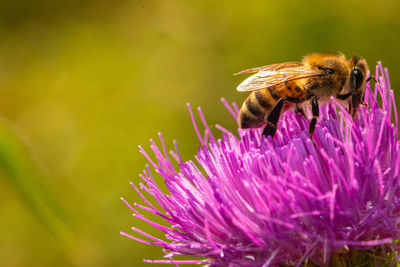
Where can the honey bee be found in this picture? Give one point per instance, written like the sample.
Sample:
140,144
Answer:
279,87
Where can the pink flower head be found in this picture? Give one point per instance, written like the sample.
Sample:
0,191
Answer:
253,201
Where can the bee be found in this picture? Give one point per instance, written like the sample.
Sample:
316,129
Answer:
279,87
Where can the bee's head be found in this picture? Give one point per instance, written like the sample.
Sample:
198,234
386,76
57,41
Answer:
358,78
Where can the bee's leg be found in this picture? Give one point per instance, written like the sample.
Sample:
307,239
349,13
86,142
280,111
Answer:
350,108
345,96
269,129
315,113
300,111
273,117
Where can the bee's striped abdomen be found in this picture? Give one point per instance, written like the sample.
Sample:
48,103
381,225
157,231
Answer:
255,107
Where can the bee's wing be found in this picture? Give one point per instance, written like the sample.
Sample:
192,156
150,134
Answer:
270,76
270,67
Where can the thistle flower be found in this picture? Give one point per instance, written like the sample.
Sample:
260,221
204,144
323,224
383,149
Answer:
251,201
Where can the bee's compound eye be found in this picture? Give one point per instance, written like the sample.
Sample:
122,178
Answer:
356,77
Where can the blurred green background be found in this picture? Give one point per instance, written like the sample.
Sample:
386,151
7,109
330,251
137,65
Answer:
82,83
